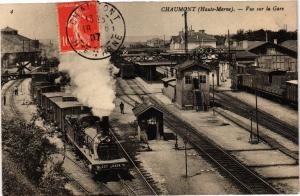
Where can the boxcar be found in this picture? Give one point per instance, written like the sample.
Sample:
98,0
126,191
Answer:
65,100
45,100
292,91
44,89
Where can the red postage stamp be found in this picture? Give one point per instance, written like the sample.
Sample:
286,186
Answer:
79,28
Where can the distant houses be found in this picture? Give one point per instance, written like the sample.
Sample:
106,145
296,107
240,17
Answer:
156,43
195,40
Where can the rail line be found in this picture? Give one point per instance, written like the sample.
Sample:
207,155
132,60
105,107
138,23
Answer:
10,98
247,179
15,112
267,120
135,189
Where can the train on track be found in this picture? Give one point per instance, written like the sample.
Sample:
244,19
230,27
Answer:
275,84
90,135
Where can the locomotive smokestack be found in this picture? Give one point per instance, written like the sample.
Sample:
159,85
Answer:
105,125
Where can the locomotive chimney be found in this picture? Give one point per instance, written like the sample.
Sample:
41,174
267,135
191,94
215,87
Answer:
105,125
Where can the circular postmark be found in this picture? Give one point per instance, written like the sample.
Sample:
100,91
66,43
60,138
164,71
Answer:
95,30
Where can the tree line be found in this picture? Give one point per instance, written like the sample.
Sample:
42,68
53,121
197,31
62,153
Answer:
259,35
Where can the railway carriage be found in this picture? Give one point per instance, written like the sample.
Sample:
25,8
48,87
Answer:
292,91
269,83
44,89
93,141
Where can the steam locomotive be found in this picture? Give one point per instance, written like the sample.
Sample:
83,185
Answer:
87,133
92,139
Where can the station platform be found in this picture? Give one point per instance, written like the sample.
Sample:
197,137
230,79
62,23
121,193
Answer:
235,139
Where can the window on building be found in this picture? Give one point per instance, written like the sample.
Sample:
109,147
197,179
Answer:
188,80
202,79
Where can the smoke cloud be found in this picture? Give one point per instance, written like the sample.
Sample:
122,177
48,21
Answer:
91,82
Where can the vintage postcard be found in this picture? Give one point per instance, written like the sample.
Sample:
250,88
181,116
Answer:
149,98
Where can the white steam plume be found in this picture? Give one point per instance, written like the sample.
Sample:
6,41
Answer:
91,82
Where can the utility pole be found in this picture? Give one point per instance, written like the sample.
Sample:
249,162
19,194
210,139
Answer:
185,154
185,33
257,131
213,77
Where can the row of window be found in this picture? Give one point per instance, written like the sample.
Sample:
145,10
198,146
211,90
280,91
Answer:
200,79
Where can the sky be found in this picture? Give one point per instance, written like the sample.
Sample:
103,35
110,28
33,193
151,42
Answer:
39,21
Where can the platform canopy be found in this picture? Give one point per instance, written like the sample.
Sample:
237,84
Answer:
155,63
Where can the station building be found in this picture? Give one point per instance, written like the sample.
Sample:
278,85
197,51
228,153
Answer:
190,88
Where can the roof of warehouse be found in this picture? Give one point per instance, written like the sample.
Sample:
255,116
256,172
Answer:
155,63
266,70
67,104
143,107
54,99
190,63
292,82
12,42
290,44
244,54
53,94
168,79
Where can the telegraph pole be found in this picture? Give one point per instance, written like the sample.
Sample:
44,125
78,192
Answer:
257,131
185,32
213,77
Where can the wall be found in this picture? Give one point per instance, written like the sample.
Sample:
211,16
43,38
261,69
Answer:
169,91
278,61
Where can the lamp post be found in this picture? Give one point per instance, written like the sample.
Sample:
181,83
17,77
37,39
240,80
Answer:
176,142
185,153
213,76
256,110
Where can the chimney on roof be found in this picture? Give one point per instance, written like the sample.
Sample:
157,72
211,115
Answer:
105,125
245,44
275,41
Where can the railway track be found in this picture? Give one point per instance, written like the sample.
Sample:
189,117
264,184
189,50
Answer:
10,102
13,111
267,120
245,178
134,186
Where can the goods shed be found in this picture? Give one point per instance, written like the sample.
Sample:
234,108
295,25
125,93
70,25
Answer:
150,120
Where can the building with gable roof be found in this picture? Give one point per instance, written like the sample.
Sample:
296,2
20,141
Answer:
17,50
195,39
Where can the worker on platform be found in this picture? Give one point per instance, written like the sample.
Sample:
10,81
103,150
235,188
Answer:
4,100
16,90
122,107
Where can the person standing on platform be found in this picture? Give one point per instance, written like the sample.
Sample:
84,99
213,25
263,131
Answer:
122,107
4,100
16,90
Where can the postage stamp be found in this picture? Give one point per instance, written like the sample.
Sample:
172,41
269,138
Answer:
94,30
